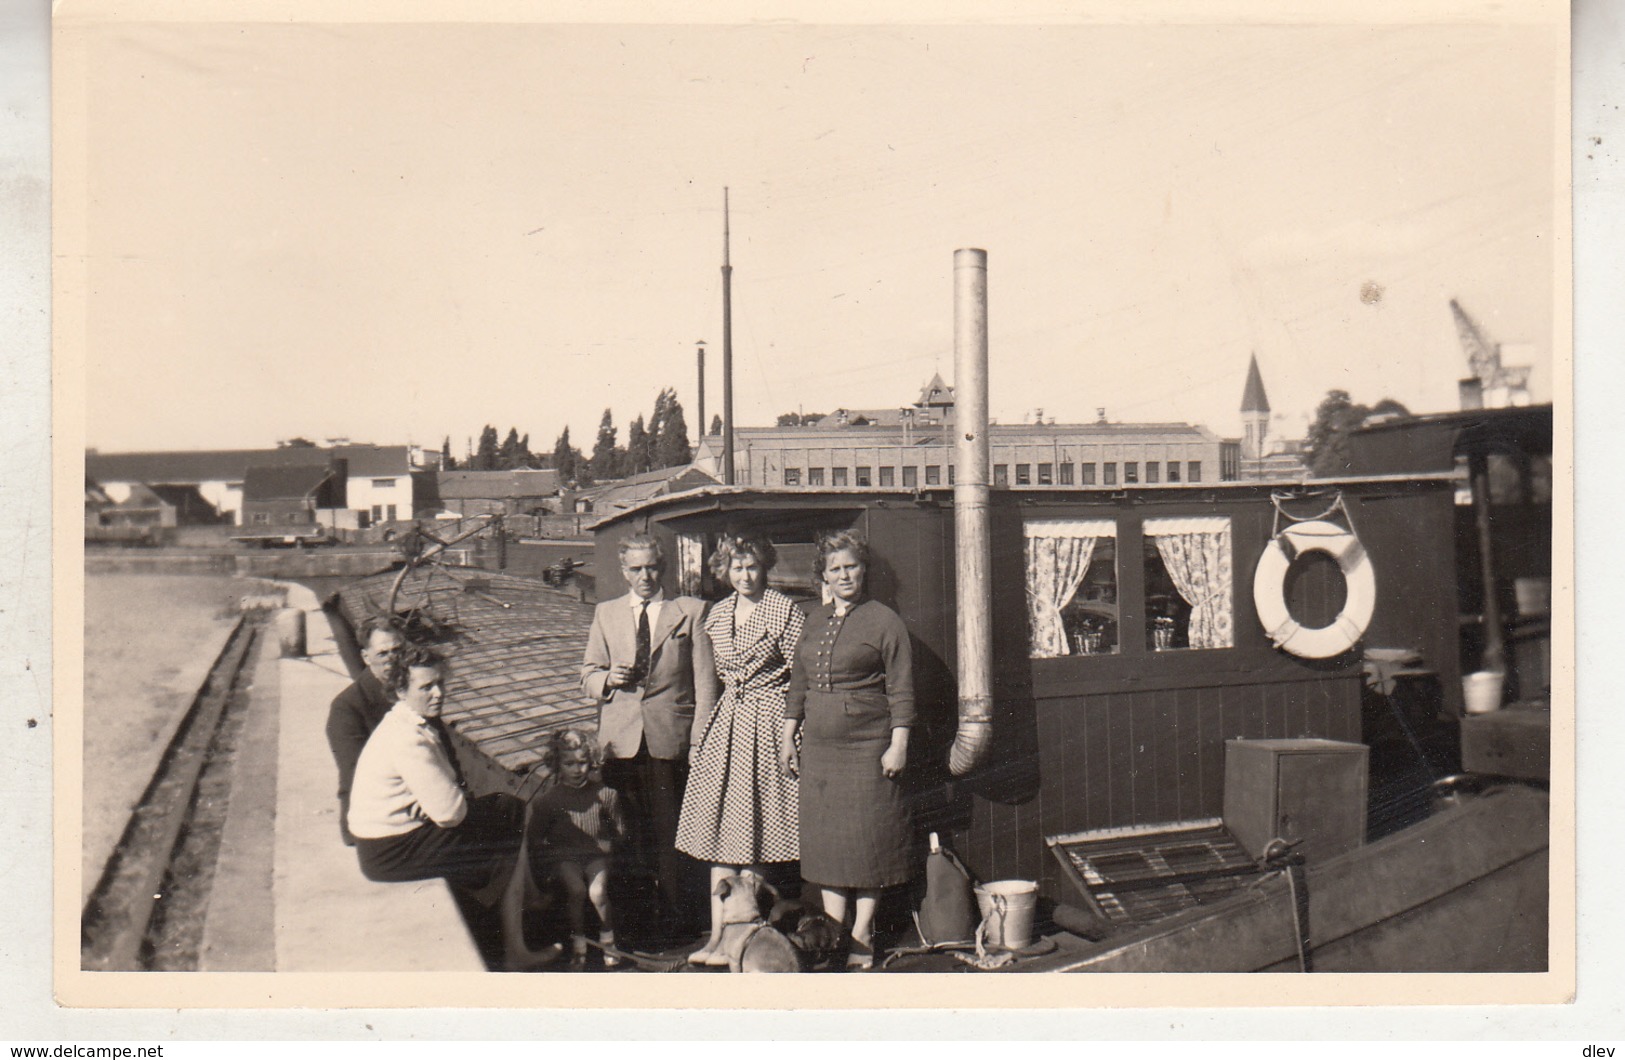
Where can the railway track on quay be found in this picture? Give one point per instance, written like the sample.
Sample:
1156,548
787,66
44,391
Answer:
147,910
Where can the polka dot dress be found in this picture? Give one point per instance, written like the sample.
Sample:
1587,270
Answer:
738,809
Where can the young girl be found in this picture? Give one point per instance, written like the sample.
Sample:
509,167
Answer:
573,826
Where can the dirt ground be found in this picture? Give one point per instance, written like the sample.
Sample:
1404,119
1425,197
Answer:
149,642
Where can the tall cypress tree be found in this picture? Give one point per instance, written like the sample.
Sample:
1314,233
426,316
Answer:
564,457
637,447
485,459
671,444
605,458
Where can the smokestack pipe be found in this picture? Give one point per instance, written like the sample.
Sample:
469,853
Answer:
972,522
727,353
699,353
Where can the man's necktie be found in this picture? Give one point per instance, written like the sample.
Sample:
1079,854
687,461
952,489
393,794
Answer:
641,663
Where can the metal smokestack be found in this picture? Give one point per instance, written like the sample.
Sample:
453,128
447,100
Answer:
727,353
972,523
699,355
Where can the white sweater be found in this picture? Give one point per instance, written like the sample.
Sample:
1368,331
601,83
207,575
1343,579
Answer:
404,779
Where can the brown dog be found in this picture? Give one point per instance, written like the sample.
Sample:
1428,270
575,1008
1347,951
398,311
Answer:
762,932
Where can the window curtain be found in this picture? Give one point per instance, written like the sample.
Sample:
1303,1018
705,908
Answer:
690,563
1058,555
1197,555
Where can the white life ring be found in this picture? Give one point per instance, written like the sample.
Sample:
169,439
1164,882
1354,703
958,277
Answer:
1269,590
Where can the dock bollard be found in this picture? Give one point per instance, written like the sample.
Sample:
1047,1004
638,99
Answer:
290,632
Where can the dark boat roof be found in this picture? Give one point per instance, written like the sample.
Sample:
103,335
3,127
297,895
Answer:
943,496
1432,442
514,649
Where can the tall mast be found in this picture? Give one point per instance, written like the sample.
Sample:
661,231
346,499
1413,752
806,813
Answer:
727,354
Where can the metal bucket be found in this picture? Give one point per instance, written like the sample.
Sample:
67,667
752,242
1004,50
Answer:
1007,908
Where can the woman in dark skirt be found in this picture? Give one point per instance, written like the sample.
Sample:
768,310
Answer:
413,820
852,699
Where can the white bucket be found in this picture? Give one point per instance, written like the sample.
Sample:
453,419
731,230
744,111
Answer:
1483,691
1534,596
1007,906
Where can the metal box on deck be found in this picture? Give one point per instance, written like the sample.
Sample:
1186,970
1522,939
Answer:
1306,789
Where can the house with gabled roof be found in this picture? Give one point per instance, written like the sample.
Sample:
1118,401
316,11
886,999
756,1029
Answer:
292,496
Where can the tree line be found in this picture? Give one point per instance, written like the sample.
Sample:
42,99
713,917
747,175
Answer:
661,441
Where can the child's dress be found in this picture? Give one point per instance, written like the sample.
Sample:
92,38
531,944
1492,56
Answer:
572,824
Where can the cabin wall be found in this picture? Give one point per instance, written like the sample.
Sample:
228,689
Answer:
1138,737
1410,538
1141,757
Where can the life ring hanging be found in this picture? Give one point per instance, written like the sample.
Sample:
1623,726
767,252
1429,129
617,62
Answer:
1269,590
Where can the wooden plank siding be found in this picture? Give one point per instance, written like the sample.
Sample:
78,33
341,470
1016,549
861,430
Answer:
1135,758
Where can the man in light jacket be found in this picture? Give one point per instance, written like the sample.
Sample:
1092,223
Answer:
643,654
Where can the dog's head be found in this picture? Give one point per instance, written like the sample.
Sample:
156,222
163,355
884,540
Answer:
746,897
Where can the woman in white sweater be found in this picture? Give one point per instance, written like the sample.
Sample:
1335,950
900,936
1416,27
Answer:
413,819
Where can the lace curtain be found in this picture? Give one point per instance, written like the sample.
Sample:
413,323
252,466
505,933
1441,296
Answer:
1197,555
1058,555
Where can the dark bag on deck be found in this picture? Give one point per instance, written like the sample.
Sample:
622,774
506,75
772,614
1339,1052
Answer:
948,912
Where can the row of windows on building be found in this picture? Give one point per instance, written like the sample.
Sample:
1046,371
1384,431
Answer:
1065,474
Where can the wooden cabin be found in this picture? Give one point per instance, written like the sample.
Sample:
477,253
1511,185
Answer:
1117,714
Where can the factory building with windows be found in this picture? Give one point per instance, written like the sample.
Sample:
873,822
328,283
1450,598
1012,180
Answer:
913,447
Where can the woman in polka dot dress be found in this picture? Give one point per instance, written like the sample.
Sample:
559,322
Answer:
739,809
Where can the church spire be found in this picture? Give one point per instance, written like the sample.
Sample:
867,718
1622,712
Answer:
1252,396
1255,413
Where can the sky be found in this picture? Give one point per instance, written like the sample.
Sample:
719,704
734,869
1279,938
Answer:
400,233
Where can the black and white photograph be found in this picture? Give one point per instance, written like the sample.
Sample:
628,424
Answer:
867,494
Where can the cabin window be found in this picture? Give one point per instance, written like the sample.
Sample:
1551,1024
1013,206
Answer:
1153,471
383,483
234,486
1024,474
911,477
1046,474
1194,468
1110,476
1131,471
1088,474
865,476
933,474
690,564
1189,583
1071,587
1066,474
950,474
815,476
792,476
1001,474
378,513
888,476
1173,471
838,476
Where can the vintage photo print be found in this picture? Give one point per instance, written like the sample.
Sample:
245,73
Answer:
942,501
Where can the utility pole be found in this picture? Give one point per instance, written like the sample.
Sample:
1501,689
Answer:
727,354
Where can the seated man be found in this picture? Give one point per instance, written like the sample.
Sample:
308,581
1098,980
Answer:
358,709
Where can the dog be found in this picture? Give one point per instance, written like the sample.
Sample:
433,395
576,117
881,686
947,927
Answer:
763,932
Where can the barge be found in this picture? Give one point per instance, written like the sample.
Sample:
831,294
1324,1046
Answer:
1221,725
